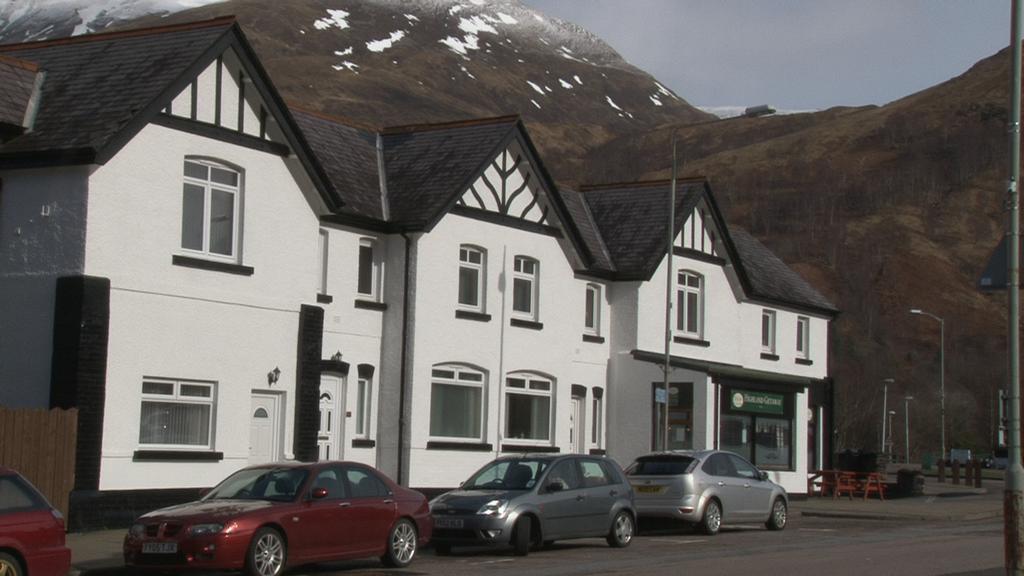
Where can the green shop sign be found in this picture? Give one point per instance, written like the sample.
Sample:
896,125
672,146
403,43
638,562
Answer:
759,402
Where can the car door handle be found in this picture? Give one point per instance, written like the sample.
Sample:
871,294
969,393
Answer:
344,504
720,483
613,493
389,501
579,498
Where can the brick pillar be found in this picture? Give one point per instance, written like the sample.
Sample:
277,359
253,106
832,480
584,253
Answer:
307,384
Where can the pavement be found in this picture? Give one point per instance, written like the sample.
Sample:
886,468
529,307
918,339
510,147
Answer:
96,552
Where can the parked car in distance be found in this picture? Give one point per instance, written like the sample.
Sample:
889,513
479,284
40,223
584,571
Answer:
263,519
31,531
706,488
530,500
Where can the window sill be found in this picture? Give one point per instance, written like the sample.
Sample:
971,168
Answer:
593,338
524,448
691,341
804,362
177,456
462,446
470,315
767,356
598,451
211,265
324,298
363,443
370,305
520,323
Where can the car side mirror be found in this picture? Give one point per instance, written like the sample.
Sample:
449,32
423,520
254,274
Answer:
554,487
319,493
762,475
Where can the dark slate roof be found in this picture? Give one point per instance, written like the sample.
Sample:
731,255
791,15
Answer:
769,278
579,212
17,81
95,85
349,157
427,166
631,218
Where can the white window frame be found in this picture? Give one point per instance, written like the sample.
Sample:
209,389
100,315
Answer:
468,377
518,273
803,334
364,403
684,290
374,270
465,261
593,306
597,418
533,385
323,254
768,328
176,397
209,186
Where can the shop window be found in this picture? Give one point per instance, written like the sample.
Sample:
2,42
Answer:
759,427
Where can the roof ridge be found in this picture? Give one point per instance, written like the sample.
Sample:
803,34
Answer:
342,120
101,36
642,183
450,124
18,62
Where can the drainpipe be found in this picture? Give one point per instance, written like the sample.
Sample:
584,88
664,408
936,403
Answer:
403,379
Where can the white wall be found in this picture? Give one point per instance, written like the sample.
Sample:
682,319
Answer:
42,237
179,322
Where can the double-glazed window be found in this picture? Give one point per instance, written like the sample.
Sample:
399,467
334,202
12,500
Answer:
690,304
528,407
364,388
456,402
592,313
597,417
768,331
803,336
210,214
525,288
368,280
472,272
177,414
323,253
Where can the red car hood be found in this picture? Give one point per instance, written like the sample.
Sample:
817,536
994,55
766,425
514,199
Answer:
207,511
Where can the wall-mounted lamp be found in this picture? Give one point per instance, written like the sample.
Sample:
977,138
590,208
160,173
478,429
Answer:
273,376
337,356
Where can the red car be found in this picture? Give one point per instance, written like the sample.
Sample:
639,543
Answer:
265,518
31,531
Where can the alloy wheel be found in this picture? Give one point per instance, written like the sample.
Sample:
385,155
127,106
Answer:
268,554
624,529
403,543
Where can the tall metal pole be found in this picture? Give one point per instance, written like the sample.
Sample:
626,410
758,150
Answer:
1013,496
906,426
942,384
885,410
662,436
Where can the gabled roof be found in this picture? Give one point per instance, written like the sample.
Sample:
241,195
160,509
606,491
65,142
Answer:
101,89
632,220
579,212
771,280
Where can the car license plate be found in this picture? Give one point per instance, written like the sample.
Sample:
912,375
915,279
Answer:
447,522
160,548
648,489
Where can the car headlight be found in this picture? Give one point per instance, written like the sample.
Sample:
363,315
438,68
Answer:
204,529
137,530
493,508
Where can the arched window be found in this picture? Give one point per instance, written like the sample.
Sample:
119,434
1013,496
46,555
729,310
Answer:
690,304
457,402
528,400
210,215
472,277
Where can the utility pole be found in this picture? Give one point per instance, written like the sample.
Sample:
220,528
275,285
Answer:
661,440
906,425
1013,495
885,410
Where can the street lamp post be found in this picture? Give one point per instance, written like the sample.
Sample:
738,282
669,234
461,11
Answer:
906,425
942,376
885,410
891,414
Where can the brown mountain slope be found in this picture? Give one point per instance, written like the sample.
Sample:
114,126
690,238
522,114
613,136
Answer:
884,209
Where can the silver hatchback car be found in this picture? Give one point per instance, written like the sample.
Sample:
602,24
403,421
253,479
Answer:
533,500
706,488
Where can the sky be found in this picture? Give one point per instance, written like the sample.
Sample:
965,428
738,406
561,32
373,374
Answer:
794,54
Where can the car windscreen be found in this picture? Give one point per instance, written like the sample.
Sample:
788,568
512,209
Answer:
660,466
275,484
520,474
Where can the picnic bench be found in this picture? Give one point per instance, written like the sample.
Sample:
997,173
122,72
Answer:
845,482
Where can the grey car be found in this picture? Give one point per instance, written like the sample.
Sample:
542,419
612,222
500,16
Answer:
532,500
706,488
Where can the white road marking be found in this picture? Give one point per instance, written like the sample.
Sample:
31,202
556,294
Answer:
674,541
818,530
494,561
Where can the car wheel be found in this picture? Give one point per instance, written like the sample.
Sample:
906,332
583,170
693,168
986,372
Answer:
777,520
621,532
9,565
521,536
711,522
267,553
401,545
442,549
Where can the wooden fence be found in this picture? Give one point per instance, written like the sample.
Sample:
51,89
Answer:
40,444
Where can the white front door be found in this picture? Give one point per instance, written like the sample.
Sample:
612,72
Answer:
264,428
331,437
577,429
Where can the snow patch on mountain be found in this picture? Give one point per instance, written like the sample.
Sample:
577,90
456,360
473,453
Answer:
385,43
26,20
334,19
